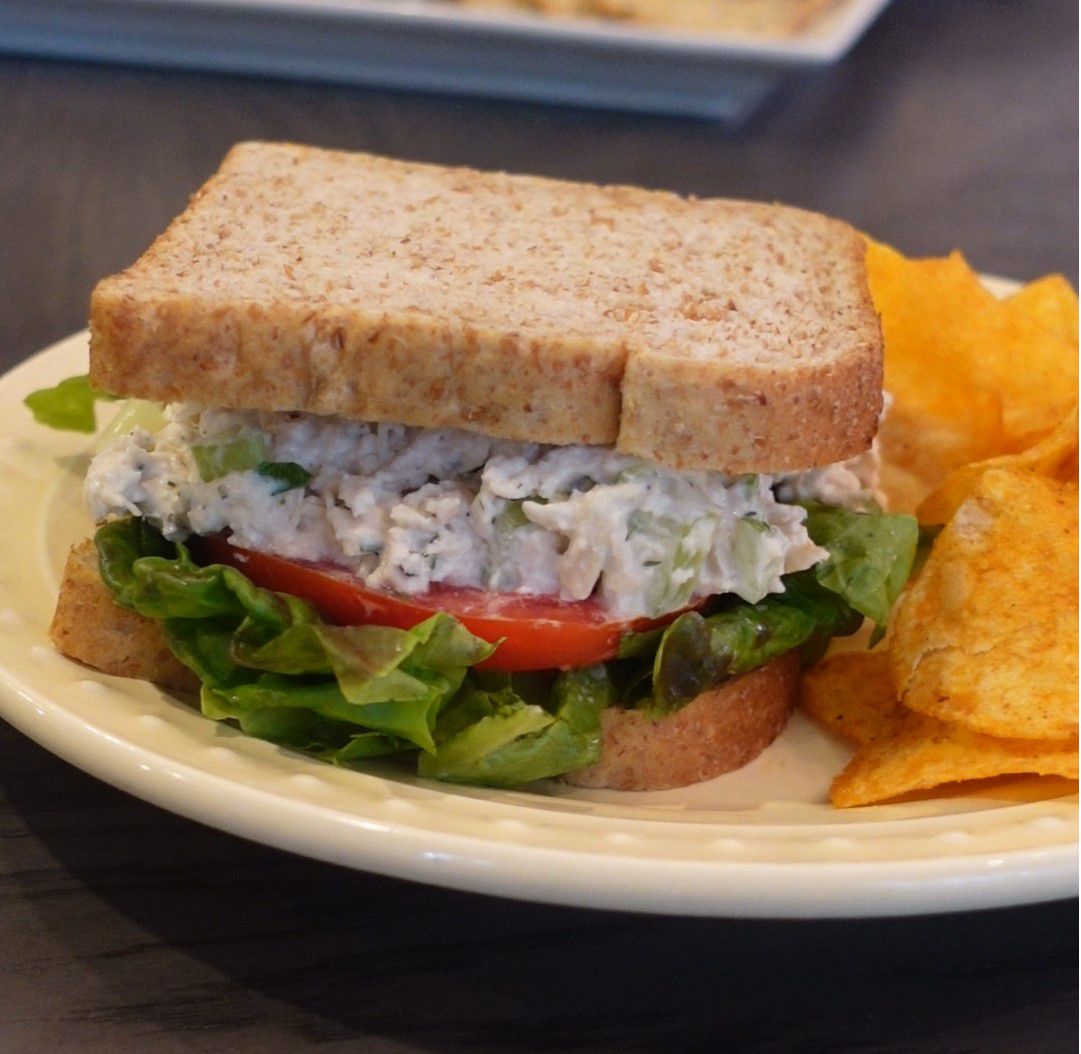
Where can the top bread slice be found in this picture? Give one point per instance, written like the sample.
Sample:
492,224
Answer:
697,333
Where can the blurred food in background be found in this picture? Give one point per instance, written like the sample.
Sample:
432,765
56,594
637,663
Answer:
752,18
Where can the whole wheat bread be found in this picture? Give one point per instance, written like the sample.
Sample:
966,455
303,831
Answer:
720,731
698,333
90,627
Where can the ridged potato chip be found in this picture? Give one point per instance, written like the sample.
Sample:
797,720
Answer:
978,675
921,752
987,635
926,437
899,751
1055,456
1052,302
850,693
972,376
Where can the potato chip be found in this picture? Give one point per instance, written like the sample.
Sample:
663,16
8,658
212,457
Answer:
1034,371
923,440
951,350
903,490
1052,303
899,752
1023,788
984,645
921,752
851,694
1055,456
987,635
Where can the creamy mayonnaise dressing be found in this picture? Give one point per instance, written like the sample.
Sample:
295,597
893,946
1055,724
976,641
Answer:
404,508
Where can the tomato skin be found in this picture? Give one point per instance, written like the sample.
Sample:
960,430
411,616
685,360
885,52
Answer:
533,633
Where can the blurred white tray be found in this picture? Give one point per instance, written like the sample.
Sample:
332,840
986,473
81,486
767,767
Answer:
437,46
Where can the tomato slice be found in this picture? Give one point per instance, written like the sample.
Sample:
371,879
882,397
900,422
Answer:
536,633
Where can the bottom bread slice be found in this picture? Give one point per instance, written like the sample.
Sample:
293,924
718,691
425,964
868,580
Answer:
719,731
89,627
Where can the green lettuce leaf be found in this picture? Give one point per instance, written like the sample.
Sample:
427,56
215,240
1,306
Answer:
156,578
374,677
871,556
68,406
491,735
257,650
696,653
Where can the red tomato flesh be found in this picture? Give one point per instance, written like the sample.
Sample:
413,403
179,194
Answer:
535,633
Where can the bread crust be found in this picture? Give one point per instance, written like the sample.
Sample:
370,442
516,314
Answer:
699,333
88,626
720,731
687,416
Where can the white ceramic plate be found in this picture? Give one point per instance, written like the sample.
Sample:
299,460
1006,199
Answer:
759,842
438,46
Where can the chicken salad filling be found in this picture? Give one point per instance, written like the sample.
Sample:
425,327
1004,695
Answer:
406,508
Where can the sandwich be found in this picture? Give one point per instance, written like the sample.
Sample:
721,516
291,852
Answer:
515,478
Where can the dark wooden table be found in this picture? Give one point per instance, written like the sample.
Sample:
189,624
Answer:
124,928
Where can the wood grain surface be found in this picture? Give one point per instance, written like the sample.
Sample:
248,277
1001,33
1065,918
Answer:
126,929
